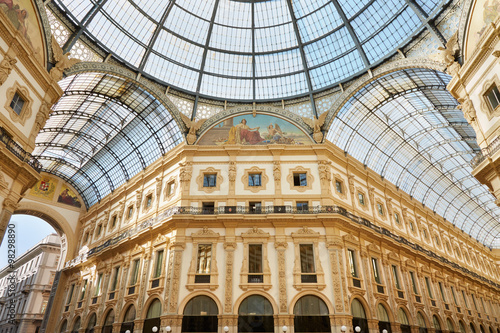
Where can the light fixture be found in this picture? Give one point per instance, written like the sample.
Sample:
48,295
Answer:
127,331
154,329
168,328
343,328
357,329
384,331
226,329
284,328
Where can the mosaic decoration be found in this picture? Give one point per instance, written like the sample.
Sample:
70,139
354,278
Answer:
44,188
258,130
68,197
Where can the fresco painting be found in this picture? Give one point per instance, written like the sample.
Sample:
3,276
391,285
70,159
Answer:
258,130
483,13
67,196
44,188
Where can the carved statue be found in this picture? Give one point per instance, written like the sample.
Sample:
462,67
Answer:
62,61
185,172
276,171
316,124
468,109
41,119
193,127
448,54
6,66
232,171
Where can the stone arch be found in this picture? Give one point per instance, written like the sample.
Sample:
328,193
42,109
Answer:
365,304
192,295
148,302
124,311
105,314
426,319
440,321
310,293
407,313
242,297
387,308
87,319
450,319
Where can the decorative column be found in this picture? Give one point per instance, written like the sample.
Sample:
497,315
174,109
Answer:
144,281
228,318
232,178
325,177
8,208
175,272
277,182
185,175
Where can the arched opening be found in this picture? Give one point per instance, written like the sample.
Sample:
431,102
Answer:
491,330
107,326
91,324
76,325
128,319
472,328
481,329
422,327
403,320
451,327
200,315
359,315
461,326
437,325
384,323
153,316
64,326
255,315
311,315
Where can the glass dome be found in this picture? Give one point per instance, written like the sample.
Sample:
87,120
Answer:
251,50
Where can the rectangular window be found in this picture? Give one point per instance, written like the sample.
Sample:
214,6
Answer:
86,238
300,179
255,207
380,209
482,302
306,258
208,207
255,258
376,274
396,277
149,200
465,299
338,186
428,284
442,292
130,211
98,285
414,283
352,263
135,272
302,206
99,229
70,294
84,288
361,199
115,278
454,296
17,103
474,301
396,218
113,221
254,179
204,259
158,264
170,188
209,180
493,96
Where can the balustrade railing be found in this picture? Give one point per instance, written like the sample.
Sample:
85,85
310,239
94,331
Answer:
18,151
489,151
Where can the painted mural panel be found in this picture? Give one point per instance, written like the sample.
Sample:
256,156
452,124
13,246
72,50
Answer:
67,196
258,130
44,188
483,13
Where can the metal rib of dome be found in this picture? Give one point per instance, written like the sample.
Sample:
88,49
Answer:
406,127
251,50
103,131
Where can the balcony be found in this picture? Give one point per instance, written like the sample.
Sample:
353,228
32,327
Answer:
18,151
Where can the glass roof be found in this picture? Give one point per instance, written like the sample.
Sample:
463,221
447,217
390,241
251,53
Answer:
251,50
103,131
406,127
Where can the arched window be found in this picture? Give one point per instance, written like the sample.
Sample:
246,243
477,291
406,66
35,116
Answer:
421,323
491,330
128,320
481,328
311,315
403,320
436,323
76,325
359,316
108,322
451,327
200,315
64,326
472,328
462,327
384,323
91,324
153,316
255,315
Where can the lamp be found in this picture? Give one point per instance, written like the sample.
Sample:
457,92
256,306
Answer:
226,329
284,328
127,331
384,331
154,329
168,329
343,328
357,329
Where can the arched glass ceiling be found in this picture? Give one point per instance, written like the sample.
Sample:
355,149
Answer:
253,49
406,127
103,131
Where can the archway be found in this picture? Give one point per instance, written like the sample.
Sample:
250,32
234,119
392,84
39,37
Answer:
451,327
403,320
76,325
153,316
481,329
91,324
437,324
461,327
384,323
422,327
311,315
200,315
255,314
472,328
64,326
359,315
128,319
107,326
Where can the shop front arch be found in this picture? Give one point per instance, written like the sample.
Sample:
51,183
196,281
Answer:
481,329
255,314
384,323
422,326
403,320
91,323
359,316
311,315
472,328
451,327
107,326
128,319
437,324
153,317
200,315
64,326
76,325
461,325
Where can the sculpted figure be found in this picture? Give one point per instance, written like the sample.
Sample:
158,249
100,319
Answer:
62,61
316,124
193,127
6,67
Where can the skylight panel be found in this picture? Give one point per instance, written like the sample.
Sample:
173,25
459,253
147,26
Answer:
203,9
268,13
120,11
285,86
304,7
187,25
229,64
428,5
319,22
178,50
168,71
375,16
234,13
278,63
231,39
330,47
78,8
275,38
233,88
153,8
341,69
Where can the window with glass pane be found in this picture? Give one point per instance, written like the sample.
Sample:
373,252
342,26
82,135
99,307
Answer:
338,186
170,188
255,207
17,103
465,299
428,284
135,272
98,286
300,179
149,200
361,198
352,263
306,258
376,274
115,278
158,264
70,294
209,180
302,206
442,292
414,283
493,96
254,179
454,296
99,229
474,301
396,218
84,288
130,211
255,258
396,277
380,209
204,258
113,221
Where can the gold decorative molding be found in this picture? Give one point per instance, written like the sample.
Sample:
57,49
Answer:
6,66
228,291
307,236
27,107
209,171
309,177
255,236
145,208
204,236
281,248
171,183
264,179
338,178
364,206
